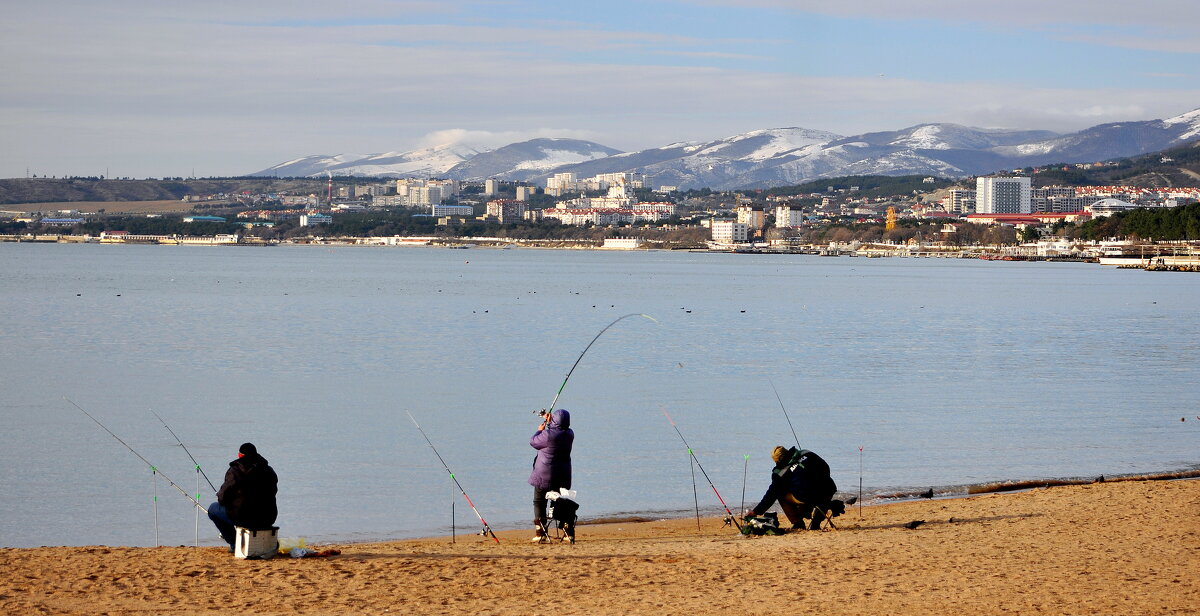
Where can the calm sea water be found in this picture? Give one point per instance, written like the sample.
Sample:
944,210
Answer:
945,372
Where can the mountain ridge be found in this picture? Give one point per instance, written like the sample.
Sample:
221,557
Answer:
766,158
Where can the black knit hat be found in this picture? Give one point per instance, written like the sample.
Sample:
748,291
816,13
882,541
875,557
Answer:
247,449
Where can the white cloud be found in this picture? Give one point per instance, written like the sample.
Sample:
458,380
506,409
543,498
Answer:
230,89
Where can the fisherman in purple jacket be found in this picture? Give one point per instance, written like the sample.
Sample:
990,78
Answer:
551,466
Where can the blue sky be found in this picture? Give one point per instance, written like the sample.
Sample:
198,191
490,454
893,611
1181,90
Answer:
154,88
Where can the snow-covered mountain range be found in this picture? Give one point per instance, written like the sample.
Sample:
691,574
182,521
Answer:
774,157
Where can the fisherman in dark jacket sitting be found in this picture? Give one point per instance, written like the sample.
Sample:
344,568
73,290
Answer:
551,466
247,497
801,484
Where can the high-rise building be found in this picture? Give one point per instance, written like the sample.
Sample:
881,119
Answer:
960,201
786,216
995,195
729,231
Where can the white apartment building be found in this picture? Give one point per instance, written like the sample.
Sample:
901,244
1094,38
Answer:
506,210
491,187
524,192
786,217
730,232
426,192
960,201
602,216
308,220
561,183
1041,199
753,217
996,195
451,210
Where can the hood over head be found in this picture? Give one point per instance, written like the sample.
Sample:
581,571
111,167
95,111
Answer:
561,419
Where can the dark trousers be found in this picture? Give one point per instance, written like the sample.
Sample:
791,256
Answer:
539,506
224,525
796,510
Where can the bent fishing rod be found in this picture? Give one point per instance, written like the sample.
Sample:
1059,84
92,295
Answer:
731,518
153,468
550,409
487,530
185,450
785,413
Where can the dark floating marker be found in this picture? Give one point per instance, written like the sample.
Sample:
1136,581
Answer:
743,311
689,312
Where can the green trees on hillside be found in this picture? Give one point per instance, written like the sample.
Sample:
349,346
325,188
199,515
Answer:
1177,223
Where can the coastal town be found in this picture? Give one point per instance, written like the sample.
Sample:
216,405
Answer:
1001,217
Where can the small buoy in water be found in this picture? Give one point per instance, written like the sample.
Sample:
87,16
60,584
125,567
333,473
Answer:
743,311
689,312
79,295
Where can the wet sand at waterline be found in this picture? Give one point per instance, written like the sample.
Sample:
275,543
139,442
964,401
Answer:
1107,548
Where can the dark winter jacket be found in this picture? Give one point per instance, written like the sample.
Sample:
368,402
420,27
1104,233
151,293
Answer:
804,475
552,465
248,494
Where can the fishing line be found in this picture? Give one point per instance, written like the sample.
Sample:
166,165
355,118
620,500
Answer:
199,472
189,453
732,518
487,530
550,409
153,468
785,413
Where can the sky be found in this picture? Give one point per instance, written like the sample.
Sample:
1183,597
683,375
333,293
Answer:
164,88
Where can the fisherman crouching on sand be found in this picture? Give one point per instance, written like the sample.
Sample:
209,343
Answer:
247,498
800,482
551,467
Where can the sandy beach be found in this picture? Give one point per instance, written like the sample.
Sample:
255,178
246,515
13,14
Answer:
1130,547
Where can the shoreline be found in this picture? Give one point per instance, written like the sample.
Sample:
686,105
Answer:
1114,547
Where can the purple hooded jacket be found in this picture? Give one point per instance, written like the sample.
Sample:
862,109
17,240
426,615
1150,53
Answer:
552,465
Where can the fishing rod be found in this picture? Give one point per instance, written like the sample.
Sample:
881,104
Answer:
185,450
731,518
785,413
550,409
487,530
153,468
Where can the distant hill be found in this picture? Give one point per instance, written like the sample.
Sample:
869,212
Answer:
49,190
1178,166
